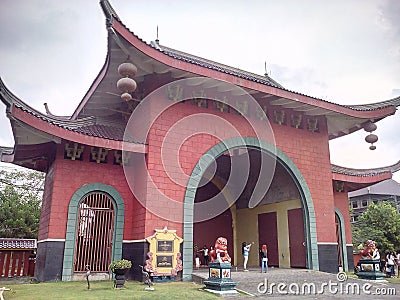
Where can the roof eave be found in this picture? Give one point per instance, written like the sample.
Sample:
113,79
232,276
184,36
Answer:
157,54
359,178
64,133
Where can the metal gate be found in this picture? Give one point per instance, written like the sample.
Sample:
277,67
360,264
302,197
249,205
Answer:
94,233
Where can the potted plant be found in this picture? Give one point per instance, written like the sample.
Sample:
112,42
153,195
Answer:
119,268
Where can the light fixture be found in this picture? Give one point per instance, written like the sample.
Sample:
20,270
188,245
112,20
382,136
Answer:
370,138
126,84
126,97
127,69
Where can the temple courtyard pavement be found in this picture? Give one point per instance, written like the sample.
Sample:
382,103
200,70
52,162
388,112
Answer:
304,284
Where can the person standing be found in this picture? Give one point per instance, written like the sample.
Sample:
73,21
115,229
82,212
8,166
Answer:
205,255
245,251
264,258
390,264
197,261
375,254
398,263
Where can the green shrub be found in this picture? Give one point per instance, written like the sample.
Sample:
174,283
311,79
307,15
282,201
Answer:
120,264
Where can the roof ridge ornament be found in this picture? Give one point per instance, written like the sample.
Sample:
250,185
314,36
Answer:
109,12
48,112
157,40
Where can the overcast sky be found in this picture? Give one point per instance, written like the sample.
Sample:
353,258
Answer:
343,51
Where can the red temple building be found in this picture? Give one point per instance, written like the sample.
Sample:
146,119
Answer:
195,146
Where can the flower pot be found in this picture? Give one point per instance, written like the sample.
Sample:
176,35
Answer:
120,277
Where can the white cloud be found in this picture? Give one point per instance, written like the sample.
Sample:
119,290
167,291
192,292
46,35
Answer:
346,51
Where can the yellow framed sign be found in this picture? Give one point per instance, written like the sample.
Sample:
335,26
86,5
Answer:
164,256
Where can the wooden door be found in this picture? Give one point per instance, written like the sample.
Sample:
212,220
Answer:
297,243
268,234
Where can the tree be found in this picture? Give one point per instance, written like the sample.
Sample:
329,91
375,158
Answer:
20,203
381,223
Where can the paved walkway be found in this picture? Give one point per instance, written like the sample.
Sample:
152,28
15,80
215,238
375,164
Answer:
309,284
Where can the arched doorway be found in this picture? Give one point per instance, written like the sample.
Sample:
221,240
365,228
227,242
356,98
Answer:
310,236
94,200
94,233
341,241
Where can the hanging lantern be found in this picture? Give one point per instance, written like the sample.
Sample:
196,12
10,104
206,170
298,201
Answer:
126,84
126,97
371,138
369,126
127,69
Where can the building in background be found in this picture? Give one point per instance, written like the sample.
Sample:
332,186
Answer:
387,190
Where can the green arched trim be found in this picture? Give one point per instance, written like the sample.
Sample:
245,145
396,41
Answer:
72,220
342,239
214,153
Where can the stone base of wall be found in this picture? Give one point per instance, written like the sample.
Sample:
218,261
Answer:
328,258
49,261
350,258
136,253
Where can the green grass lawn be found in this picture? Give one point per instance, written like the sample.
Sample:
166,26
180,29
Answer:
103,290
391,280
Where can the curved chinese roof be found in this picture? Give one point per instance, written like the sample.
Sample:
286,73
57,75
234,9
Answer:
153,59
359,178
100,117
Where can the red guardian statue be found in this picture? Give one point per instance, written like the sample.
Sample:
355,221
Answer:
370,251
220,251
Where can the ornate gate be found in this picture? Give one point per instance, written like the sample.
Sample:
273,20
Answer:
94,233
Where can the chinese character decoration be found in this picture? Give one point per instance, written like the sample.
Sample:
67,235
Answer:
312,125
98,155
279,117
175,92
296,120
242,107
199,99
73,151
261,112
221,104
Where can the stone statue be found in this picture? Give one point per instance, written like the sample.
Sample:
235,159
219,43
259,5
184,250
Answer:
147,279
220,251
370,251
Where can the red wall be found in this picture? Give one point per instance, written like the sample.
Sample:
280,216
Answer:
308,150
46,204
187,139
66,176
342,203
206,233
